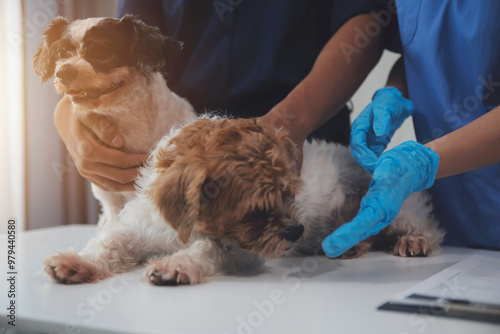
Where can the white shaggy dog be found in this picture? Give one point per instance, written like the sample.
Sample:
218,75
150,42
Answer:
114,68
219,195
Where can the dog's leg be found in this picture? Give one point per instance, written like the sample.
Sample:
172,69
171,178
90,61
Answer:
188,266
108,253
192,265
415,231
111,202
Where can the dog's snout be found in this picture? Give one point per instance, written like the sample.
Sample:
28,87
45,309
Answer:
294,232
66,74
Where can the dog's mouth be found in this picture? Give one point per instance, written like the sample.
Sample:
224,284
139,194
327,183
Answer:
82,96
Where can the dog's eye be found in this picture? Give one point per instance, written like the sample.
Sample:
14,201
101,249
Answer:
99,51
257,215
62,53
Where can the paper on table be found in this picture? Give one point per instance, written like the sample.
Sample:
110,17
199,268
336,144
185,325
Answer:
474,282
476,278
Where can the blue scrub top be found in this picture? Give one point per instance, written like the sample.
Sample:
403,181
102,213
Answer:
452,59
245,56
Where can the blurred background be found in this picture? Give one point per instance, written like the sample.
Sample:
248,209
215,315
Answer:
39,184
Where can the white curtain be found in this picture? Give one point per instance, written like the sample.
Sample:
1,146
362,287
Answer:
40,187
12,116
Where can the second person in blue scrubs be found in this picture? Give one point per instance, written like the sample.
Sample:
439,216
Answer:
451,75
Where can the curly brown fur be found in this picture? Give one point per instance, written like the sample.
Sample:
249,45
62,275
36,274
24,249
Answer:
230,178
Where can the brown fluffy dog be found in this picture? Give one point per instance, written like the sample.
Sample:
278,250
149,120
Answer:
235,179
218,195
232,179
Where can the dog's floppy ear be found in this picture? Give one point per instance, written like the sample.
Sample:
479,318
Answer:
177,193
151,50
44,62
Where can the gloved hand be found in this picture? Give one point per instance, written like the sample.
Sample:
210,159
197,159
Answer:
373,128
400,171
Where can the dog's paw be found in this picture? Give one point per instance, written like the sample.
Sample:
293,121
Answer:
70,268
360,249
412,245
174,270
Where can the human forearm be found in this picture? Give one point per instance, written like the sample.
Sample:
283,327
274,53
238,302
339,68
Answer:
332,81
397,77
470,147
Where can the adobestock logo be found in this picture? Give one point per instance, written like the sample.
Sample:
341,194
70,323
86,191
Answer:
292,279
467,108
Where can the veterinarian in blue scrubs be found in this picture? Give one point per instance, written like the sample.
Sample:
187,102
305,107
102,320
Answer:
451,52
249,58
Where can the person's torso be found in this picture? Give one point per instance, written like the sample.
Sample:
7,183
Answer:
241,55
451,50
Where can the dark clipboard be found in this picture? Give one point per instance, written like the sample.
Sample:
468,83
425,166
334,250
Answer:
469,289
454,308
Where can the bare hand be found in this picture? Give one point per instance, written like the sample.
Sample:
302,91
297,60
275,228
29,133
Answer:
94,145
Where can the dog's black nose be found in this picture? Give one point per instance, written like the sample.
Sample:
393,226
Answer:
66,74
294,232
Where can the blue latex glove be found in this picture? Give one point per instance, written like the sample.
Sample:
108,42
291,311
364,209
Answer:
400,171
373,128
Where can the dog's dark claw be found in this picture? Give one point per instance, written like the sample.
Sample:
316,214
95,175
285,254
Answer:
156,279
169,282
